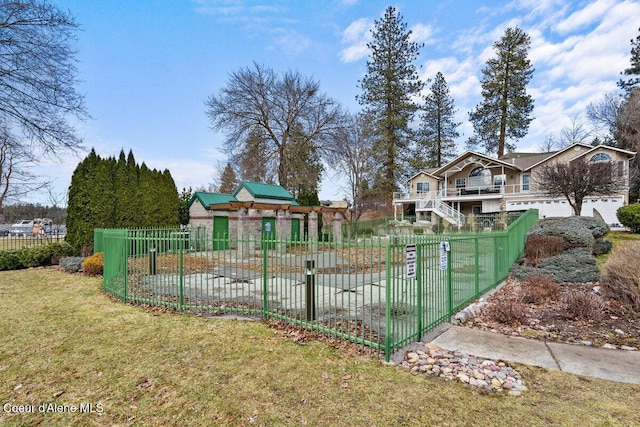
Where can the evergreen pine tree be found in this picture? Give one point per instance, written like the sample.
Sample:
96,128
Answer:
633,81
388,87
228,180
505,111
79,210
169,202
110,193
183,209
438,128
126,181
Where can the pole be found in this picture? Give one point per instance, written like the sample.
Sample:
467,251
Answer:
311,291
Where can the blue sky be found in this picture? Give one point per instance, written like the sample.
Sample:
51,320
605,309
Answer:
148,66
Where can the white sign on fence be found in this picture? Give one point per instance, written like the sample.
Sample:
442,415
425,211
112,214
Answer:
411,257
444,254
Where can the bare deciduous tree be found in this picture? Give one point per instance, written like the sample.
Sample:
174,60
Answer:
574,134
577,180
549,144
16,169
287,109
38,74
351,156
604,114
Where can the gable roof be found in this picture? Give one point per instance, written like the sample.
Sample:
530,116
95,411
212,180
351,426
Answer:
630,154
260,190
478,156
556,153
208,199
526,160
428,172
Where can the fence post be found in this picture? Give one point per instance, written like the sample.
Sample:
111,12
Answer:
265,287
311,291
450,279
496,261
152,260
387,305
477,262
419,290
125,254
181,269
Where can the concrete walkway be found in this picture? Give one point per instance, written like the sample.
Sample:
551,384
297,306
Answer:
612,365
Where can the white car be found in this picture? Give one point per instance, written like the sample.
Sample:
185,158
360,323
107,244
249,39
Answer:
22,228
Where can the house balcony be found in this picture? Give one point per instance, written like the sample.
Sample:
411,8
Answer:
462,194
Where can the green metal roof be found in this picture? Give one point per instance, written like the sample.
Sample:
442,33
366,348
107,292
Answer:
265,191
207,199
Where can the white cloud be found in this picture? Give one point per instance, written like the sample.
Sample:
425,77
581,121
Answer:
421,33
356,36
584,17
291,42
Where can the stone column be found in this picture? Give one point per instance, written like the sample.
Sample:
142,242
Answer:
283,225
242,224
313,227
337,227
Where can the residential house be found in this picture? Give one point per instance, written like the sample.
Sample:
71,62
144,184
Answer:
475,183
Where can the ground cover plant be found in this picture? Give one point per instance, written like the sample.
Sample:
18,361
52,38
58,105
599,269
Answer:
580,309
65,342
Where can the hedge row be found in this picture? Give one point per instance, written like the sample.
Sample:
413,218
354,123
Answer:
35,256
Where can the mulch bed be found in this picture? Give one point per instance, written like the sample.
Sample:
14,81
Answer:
549,320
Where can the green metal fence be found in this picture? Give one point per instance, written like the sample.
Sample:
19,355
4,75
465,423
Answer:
380,292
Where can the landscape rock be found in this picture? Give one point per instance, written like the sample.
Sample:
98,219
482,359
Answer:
486,374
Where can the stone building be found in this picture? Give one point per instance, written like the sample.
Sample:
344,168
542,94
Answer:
259,211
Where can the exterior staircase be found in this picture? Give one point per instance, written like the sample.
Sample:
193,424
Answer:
443,210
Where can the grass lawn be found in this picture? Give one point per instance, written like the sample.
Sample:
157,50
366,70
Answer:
66,343
617,238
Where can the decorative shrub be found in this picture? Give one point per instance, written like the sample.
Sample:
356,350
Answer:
601,247
10,261
538,288
574,265
71,264
34,256
94,265
629,216
60,250
509,311
596,226
576,231
621,280
583,305
522,272
541,247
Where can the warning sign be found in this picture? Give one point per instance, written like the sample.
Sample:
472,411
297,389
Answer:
411,260
444,255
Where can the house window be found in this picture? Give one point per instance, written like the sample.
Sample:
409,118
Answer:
480,178
422,187
499,181
525,181
461,183
600,157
